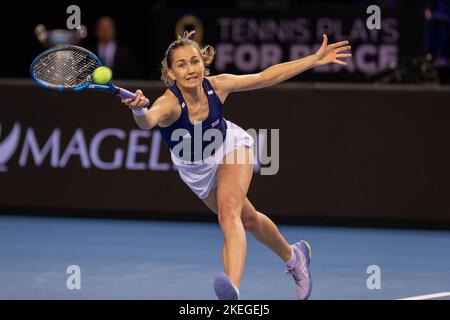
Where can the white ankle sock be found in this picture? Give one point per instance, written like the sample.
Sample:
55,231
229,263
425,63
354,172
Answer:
293,260
236,289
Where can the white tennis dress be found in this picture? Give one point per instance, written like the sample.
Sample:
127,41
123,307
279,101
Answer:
200,176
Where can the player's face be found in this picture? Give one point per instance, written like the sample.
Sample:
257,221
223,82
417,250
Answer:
187,67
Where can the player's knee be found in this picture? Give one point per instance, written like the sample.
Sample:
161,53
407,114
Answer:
229,211
250,224
250,220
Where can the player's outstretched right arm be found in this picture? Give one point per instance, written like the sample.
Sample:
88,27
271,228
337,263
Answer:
147,119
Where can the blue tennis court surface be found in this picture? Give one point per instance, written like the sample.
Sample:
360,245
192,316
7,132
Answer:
121,259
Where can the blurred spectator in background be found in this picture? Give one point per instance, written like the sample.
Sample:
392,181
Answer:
437,21
119,59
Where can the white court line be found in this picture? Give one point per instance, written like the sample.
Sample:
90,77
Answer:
429,296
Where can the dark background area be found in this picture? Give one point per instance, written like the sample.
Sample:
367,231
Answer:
147,27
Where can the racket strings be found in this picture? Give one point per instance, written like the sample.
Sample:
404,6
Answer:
78,71
59,68
65,68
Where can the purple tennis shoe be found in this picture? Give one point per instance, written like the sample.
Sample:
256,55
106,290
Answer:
225,290
301,271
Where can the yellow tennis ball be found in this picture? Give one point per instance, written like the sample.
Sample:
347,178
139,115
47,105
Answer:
102,75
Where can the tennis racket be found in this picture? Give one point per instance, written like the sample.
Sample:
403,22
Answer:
70,68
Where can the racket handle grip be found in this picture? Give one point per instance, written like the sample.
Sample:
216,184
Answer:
125,94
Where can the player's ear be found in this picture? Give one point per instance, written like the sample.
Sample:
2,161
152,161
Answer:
171,75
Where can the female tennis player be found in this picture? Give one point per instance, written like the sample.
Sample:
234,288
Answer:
193,104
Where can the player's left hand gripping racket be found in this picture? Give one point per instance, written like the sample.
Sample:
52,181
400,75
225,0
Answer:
65,68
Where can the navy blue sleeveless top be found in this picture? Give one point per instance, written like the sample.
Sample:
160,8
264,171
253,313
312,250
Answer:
214,120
